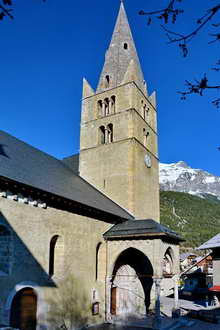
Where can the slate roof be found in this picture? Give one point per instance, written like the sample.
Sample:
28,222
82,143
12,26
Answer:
147,227
185,255
72,162
214,242
27,165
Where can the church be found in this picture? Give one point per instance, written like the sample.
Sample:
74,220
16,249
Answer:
80,238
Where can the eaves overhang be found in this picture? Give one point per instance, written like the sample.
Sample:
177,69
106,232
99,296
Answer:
59,202
141,229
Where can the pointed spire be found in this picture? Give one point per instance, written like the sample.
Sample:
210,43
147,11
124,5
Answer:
133,74
152,99
87,89
119,55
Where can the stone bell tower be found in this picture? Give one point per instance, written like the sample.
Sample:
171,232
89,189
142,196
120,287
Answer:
118,142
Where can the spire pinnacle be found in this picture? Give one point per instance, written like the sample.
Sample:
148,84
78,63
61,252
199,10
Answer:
119,55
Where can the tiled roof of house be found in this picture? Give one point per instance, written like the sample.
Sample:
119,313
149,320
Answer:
214,242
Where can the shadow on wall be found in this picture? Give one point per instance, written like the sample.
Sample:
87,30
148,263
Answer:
70,306
65,301
17,263
21,276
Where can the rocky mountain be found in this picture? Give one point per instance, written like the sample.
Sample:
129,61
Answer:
181,177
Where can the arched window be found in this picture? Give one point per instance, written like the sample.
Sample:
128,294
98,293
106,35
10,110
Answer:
113,104
146,136
168,263
56,255
100,110
145,112
107,81
5,250
125,45
106,107
52,254
97,261
102,134
109,133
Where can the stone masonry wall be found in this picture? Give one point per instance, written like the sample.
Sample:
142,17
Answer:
32,229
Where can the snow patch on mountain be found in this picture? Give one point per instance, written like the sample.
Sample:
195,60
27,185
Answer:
209,179
181,177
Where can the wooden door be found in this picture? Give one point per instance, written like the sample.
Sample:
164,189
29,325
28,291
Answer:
113,300
24,309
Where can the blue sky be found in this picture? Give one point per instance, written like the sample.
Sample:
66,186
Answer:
49,47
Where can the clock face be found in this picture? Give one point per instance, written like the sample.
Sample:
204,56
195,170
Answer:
147,160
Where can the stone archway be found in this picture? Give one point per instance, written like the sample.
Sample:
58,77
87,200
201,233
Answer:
24,310
131,284
168,262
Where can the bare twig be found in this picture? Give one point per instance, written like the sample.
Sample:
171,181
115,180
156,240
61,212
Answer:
201,23
198,88
164,13
5,12
216,103
179,37
170,11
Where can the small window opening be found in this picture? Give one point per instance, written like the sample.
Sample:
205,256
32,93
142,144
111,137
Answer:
146,112
93,295
97,261
110,133
52,254
168,263
113,104
102,134
100,112
125,45
146,135
107,81
107,103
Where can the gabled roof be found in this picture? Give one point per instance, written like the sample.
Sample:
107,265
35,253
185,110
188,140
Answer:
214,242
27,165
147,227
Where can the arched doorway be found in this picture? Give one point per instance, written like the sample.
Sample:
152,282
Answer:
168,263
24,310
131,284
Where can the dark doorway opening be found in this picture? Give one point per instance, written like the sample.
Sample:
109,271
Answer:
24,310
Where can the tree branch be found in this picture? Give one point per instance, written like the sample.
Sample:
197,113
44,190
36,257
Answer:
4,11
198,88
165,13
170,11
182,38
201,22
